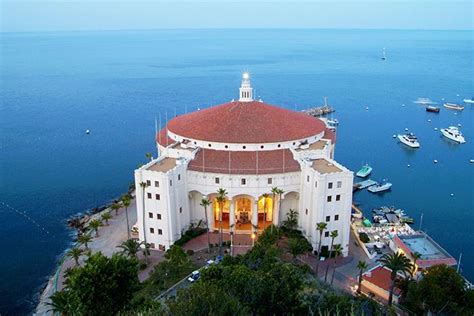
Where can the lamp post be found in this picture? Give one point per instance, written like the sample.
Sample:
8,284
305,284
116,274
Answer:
253,238
232,242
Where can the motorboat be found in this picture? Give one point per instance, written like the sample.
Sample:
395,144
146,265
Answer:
380,187
432,108
384,55
453,133
424,101
364,171
409,139
471,100
453,106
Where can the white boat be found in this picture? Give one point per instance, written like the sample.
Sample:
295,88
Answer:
424,101
471,100
453,106
454,134
410,140
364,171
380,187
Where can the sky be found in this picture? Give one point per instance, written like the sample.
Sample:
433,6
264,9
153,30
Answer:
79,15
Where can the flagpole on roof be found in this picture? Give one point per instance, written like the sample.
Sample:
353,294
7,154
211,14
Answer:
166,122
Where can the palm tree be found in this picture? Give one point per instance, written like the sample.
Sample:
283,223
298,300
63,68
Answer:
75,253
126,204
416,255
84,239
264,196
60,303
115,207
130,247
321,227
105,217
143,185
395,262
95,225
333,236
276,191
362,266
337,253
205,202
149,156
221,198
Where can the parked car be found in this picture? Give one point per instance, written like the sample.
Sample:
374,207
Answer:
194,276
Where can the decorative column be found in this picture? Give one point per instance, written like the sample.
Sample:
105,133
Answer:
255,213
231,213
211,216
276,211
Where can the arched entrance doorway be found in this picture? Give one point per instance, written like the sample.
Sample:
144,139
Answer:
225,214
243,213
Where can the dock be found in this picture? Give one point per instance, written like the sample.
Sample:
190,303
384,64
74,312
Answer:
319,110
364,184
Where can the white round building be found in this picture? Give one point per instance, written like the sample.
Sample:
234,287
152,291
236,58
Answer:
246,147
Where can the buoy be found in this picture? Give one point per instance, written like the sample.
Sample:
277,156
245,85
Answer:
459,125
394,136
366,108
452,194
403,104
436,128
435,161
471,161
455,113
87,131
457,95
442,99
408,166
429,120
406,129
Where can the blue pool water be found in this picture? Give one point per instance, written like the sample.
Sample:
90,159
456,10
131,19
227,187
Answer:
56,85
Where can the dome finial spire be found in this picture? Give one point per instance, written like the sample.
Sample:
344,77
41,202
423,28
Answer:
246,91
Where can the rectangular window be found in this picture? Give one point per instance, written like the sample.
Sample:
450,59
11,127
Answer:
328,218
243,181
330,185
316,184
336,217
179,177
326,234
162,247
152,230
148,195
150,215
307,178
157,196
158,216
217,180
152,245
269,180
339,184
148,183
160,232
181,210
171,182
338,197
157,184
306,211
329,199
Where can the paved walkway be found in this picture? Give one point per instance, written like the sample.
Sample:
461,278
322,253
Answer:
242,242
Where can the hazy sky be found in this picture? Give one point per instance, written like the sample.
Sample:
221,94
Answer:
65,15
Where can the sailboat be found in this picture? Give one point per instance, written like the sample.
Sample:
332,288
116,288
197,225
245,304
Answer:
384,56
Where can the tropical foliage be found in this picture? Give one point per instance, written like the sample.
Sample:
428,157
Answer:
396,262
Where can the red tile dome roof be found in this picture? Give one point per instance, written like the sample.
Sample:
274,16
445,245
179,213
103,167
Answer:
245,122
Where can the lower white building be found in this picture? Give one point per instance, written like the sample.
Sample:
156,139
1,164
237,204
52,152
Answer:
246,147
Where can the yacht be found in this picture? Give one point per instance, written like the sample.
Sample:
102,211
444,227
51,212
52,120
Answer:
380,187
471,100
410,140
453,106
424,101
454,134
432,108
364,171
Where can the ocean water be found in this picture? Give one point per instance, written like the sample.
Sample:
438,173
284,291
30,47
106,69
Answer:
54,86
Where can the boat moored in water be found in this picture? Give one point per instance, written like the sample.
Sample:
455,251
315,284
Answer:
453,133
424,101
471,100
432,108
364,171
380,187
409,139
453,106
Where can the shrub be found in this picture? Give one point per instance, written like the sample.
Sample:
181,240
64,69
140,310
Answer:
364,237
190,252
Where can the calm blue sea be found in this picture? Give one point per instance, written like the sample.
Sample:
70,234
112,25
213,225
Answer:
54,86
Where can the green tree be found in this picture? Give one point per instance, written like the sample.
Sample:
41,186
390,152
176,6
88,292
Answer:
75,253
126,203
60,303
337,252
333,236
95,224
102,286
105,217
296,246
397,262
291,221
416,256
176,255
320,227
84,239
143,186
362,266
130,247
205,202
221,199
276,191
115,207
